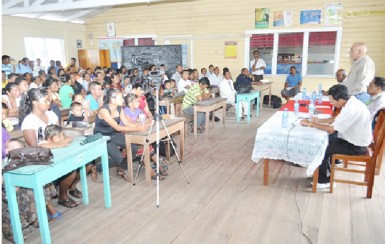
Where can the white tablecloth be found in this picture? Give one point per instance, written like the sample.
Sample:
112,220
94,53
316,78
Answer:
304,146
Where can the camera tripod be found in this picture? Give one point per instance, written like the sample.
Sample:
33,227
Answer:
156,121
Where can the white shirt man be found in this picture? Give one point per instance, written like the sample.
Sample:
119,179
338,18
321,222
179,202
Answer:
183,83
257,66
226,88
215,78
376,90
177,75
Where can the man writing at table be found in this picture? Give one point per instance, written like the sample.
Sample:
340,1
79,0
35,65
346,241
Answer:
195,93
353,127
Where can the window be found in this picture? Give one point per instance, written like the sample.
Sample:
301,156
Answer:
44,48
314,52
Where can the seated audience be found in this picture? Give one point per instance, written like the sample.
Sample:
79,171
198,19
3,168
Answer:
37,82
132,112
215,78
23,67
244,79
376,90
197,92
177,75
353,125
226,89
95,98
34,118
66,91
143,106
184,83
108,123
12,100
6,122
77,113
115,78
203,73
23,85
292,84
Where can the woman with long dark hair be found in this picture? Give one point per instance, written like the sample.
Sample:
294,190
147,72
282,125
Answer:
111,121
35,116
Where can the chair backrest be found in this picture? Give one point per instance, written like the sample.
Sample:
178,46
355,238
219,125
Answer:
379,133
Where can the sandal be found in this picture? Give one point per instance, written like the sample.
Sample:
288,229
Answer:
69,203
94,174
76,193
123,174
56,216
161,177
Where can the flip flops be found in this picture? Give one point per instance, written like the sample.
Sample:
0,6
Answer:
68,203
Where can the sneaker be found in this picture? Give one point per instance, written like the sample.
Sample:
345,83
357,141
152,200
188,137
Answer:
324,185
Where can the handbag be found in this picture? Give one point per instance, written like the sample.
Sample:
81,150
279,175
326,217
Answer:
244,88
28,156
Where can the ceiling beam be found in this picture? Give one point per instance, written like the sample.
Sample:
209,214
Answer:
84,4
78,15
38,2
11,4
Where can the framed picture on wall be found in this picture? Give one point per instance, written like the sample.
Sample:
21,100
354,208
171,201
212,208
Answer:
111,29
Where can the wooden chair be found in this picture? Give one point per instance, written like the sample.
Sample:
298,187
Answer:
368,160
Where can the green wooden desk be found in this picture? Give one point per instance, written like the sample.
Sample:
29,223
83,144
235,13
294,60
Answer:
66,159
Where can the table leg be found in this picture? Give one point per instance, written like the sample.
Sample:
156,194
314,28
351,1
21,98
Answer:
224,113
83,180
250,106
258,102
41,213
147,164
266,171
130,168
13,210
269,94
207,114
195,123
181,144
260,99
238,108
172,106
315,180
106,177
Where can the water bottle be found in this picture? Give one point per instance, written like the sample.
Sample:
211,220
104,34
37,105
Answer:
320,94
40,136
304,94
285,118
296,108
313,97
142,118
311,108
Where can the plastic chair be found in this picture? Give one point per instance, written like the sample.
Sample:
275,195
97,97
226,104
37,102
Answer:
368,160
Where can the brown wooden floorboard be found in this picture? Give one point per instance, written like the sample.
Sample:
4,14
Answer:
225,202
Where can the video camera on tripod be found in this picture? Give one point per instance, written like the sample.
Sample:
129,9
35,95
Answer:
156,78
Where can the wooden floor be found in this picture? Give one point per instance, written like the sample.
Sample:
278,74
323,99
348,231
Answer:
225,202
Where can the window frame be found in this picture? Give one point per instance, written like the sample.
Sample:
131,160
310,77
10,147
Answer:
306,32
45,59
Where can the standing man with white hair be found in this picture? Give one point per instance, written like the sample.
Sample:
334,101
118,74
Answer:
361,73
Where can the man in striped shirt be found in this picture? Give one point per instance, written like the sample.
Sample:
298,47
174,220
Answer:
197,92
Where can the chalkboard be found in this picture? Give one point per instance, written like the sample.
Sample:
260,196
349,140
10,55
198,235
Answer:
142,57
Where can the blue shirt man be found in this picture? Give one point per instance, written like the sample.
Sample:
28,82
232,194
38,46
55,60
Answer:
292,84
23,67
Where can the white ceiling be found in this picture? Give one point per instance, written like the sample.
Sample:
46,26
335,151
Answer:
73,11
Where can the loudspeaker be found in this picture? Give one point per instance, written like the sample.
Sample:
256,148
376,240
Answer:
79,44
